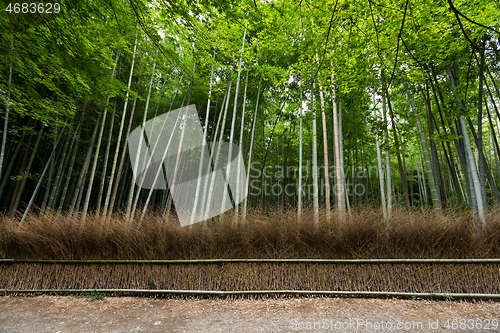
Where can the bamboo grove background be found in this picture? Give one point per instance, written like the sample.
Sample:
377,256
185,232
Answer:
403,97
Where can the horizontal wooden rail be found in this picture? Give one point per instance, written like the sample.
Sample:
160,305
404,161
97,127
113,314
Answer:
219,261
256,292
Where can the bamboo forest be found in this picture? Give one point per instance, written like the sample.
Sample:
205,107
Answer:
365,129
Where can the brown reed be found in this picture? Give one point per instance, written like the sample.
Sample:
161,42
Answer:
364,234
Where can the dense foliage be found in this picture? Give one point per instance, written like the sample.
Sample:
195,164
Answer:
403,96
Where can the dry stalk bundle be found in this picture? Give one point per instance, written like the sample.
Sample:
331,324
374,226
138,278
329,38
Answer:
418,252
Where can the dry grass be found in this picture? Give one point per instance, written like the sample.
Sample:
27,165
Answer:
416,234
409,234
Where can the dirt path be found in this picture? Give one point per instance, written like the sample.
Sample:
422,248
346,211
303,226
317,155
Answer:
127,314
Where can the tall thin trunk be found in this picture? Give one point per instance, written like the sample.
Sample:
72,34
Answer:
497,122
403,149
345,197
380,169
7,104
203,147
80,195
40,180
12,161
130,211
179,152
482,161
28,168
284,164
487,170
461,149
153,186
315,164
63,167
265,149
434,159
76,141
136,199
148,199
212,180
240,143
470,158
490,119
424,182
22,175
96,156
231,136
124,182
387,158
212,153
59,173
117,150
47,189
469,182
423,195
402,170
464,193
333,178
286,176
443,173
325,154
354,168
447,152
263,174
244,213
497,155
124,151
474,175
94,163
299,194
338,166
166,193
492,81
425,149
496,147
83,173
106,158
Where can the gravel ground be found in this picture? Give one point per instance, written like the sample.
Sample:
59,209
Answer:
127,314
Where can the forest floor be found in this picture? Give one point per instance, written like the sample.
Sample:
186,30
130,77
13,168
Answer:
127,314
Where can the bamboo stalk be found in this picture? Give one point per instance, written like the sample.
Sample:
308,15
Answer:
215,261
380,168
233,121
299,193
240,143
7,105
325,155
314,163
258,292
245,202
38,185
388,170
203,148
117,150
